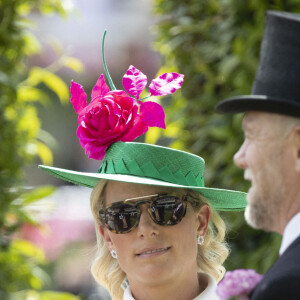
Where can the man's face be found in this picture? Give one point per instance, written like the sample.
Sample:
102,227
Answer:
264,156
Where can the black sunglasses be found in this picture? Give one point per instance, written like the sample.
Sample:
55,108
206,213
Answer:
164,209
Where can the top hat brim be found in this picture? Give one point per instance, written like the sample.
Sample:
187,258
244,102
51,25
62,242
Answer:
246,103
220,199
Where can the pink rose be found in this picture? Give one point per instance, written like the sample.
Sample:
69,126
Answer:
110,117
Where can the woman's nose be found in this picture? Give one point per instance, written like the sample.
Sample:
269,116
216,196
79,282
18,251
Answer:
240,156
147,227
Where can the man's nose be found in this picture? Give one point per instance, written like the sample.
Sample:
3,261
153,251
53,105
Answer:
240,156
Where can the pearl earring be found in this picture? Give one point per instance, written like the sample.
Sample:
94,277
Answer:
114,253
200,239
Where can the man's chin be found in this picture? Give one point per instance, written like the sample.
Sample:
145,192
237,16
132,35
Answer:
249,218
256,217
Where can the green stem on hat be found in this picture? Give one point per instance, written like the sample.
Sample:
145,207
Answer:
111,84
145,98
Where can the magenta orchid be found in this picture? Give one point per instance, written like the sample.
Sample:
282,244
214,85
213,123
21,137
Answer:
116,115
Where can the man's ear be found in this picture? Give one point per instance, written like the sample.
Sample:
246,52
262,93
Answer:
203,216
105,234
297,147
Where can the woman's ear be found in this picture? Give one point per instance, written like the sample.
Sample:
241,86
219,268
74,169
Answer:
105,234
203,216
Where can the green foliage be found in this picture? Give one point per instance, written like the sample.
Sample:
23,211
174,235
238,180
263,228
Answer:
46,295
215,44
19,266
21,140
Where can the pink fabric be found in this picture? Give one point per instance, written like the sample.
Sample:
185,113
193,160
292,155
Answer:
166,84
152,114
110,117
100,88
78,96
134,82
114,116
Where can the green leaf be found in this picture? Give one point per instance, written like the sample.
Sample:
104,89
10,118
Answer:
152,135
51,80
44,153
228,65
35,282
52,6
172,129
29,122
27,249
32,44
73,64
24,8
42,295
48,139
31,94
57,85
37,194
4,79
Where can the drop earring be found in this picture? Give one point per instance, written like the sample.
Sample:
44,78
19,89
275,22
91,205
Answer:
200,239
113,253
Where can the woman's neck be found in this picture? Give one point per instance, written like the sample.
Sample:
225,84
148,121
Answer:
184,288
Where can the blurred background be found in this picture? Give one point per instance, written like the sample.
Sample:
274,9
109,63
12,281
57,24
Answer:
47,239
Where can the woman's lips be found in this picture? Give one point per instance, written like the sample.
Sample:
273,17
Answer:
152,252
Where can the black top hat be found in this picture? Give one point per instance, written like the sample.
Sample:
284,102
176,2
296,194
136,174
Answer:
277,83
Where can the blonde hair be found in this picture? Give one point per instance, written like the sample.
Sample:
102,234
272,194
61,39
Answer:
210,257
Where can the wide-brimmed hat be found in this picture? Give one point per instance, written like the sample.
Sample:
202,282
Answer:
277,83
154,165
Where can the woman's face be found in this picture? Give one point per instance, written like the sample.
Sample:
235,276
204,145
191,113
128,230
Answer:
152,253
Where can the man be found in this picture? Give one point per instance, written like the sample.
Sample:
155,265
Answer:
270,154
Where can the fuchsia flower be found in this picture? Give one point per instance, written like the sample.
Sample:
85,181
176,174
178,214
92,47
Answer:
114,116
238,283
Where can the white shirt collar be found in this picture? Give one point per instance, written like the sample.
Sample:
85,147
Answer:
291,232
208,293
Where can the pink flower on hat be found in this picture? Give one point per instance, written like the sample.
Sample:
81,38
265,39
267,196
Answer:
114,116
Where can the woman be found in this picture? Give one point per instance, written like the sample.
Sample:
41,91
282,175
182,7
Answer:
158,234
156,225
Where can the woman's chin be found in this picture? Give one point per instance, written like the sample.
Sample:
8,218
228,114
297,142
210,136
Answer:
154,274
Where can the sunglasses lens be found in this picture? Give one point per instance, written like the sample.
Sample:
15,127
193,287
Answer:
168,210
121,218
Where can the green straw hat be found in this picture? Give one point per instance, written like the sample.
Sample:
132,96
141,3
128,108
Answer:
154,165
113,116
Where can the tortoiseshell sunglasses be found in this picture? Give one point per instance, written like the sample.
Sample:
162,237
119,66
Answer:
164,209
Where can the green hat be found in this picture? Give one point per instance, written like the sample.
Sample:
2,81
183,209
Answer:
154,165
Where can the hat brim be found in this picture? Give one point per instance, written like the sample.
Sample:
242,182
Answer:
245,103
221,199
